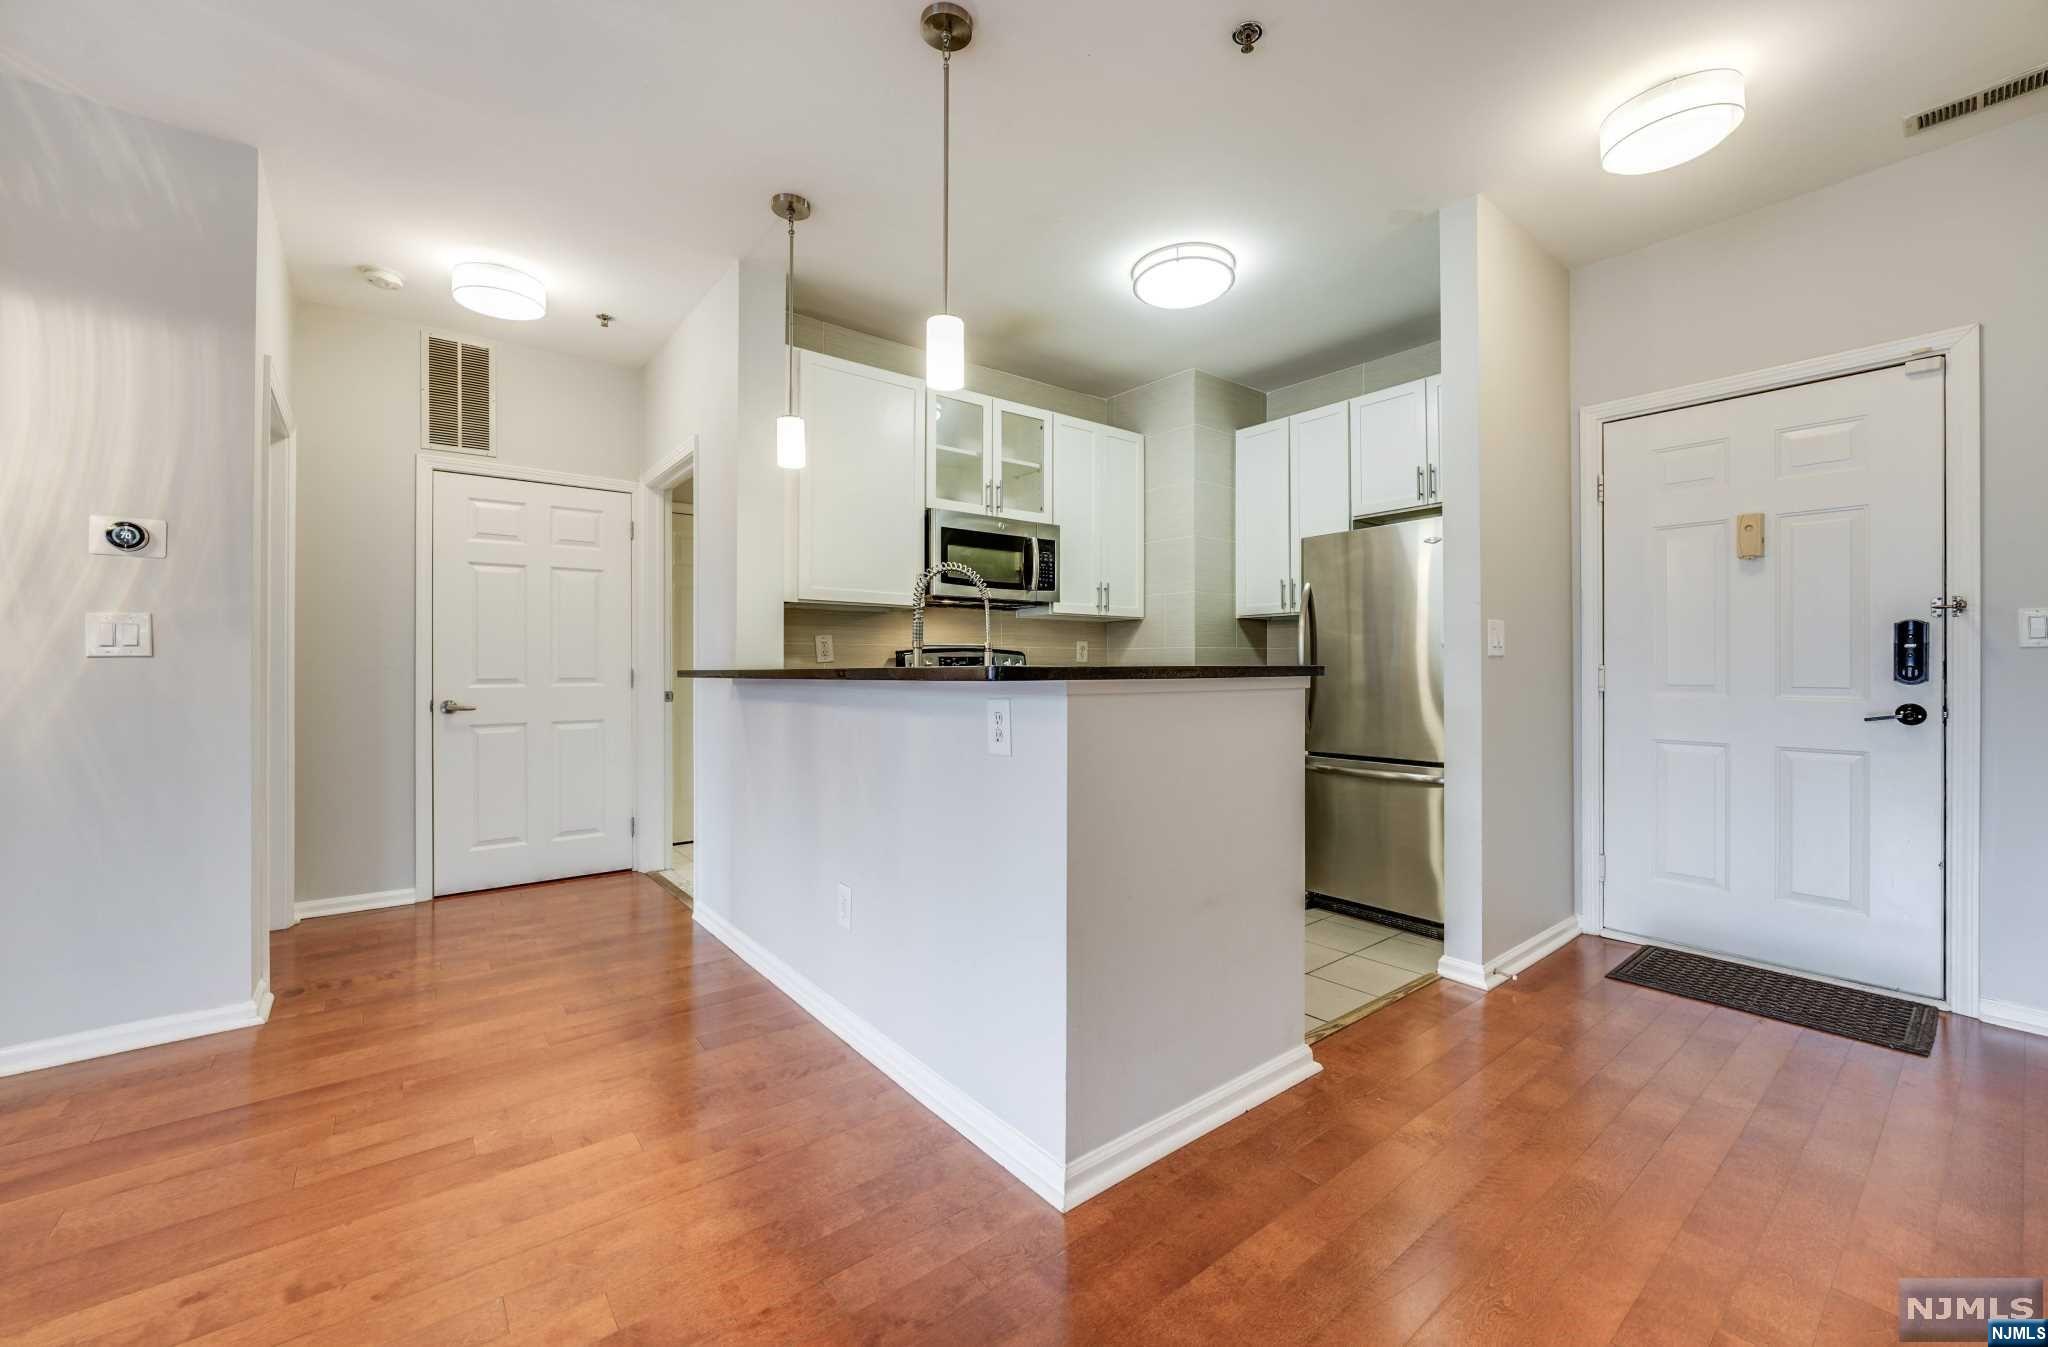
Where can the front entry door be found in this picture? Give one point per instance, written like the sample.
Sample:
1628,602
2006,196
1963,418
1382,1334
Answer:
533,767
1752,808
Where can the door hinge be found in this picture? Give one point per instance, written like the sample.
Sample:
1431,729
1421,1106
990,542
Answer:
632,827
1603,678
632,678
632,530
1600,489
1603,867
669,696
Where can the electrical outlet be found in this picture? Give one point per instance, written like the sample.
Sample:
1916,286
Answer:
1496,638
824,644
1080,652
845,907
999,727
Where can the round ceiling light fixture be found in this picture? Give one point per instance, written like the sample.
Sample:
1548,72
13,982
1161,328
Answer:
1677,120
1183,275
498,292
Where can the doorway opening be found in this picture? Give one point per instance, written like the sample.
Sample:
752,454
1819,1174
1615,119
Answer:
682,596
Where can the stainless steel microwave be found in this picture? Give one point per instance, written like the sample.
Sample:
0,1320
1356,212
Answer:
1019,561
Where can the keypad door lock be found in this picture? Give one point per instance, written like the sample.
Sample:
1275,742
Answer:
1906,713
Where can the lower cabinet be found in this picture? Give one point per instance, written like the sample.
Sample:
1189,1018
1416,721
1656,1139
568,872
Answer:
860,496
1098,482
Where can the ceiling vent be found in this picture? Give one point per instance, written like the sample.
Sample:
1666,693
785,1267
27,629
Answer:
1978,101
455,394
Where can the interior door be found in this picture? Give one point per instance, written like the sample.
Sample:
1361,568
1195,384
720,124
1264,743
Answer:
1264,568
533,761
1753,807
1120,520
1321,446
1390,450
1075,449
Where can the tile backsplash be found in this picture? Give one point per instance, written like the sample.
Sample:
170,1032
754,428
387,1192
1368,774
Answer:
864,638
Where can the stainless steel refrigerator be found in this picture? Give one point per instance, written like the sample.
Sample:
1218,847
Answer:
1372,616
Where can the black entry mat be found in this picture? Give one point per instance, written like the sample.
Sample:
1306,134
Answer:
1886,1021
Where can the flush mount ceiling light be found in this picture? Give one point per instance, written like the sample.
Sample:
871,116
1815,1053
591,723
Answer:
384,278
948,28
1183,275
1678,120
498,292
789,427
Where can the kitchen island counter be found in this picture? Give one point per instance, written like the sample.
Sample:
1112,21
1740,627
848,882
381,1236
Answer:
1015,673
1060,906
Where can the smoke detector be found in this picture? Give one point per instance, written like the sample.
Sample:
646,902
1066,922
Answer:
384,278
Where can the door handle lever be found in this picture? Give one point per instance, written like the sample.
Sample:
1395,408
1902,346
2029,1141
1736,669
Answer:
1906,713
449,706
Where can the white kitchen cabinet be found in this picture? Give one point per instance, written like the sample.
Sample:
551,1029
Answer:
1390,457
1433,388
1319,448
987,456
861,493
1266,548
1098,475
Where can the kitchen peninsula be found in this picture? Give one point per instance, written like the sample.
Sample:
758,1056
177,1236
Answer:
1061,906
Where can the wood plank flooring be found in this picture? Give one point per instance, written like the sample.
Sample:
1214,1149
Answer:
562,1115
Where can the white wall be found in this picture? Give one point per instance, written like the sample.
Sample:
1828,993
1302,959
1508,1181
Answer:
356,393
127,339
1507,539
1950,237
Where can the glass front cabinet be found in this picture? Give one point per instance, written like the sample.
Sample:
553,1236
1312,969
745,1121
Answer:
988,456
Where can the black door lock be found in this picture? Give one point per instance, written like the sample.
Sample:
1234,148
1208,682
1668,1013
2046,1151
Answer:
1908,713
1909,651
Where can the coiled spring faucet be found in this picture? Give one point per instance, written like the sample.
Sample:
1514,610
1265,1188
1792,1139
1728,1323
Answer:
917,598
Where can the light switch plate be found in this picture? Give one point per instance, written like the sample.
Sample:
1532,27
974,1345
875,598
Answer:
1496,638
118,636
99,543
824,645
2034,626
999,727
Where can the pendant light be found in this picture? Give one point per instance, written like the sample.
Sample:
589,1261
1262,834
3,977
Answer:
949,28
789,427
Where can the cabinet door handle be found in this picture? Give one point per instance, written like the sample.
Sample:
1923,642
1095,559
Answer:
1418,482
999,495
1432,481
1283,591
1106,592
988,499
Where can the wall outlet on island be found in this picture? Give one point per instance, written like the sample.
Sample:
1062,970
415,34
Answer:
1080,652
845,907
999,727
824,644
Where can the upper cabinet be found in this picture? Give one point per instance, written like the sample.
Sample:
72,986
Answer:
1394,449
1099,504
1319,450
987,456
1265,532
860,495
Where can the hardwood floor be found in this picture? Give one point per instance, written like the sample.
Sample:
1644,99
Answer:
561,1115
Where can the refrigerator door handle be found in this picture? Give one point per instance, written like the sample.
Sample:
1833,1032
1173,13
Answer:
1305,647
1420,777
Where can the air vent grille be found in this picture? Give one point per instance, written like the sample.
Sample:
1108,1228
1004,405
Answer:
1978,101
455,394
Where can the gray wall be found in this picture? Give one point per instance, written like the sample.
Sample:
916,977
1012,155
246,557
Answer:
127,344
1355,380
1950,237
357,398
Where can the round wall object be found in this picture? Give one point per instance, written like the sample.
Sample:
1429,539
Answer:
127,535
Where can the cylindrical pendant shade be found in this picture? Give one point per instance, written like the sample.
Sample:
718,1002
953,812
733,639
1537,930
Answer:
945,353
789,442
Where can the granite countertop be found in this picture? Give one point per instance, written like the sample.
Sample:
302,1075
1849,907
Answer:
1018,673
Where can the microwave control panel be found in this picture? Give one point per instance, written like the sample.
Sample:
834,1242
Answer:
1048,569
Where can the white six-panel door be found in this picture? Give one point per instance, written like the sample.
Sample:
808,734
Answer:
533,772
1751,809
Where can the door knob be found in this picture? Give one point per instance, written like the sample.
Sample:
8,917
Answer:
1907,713
449,706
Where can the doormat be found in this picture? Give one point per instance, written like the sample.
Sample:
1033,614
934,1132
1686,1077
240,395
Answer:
1886,1021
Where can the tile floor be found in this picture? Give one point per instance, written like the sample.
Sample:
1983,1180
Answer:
1351,963
682,871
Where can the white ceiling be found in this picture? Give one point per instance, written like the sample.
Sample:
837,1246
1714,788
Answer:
621,149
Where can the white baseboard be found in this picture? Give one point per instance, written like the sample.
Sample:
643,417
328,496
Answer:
1547,941
1033,1166
353,902
1114,1161
135,1034
2013,1015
